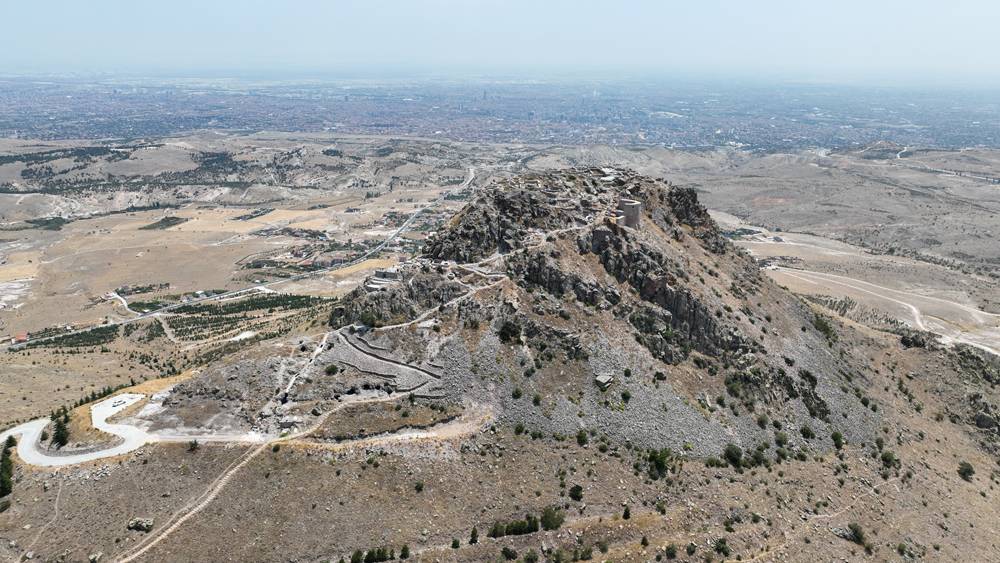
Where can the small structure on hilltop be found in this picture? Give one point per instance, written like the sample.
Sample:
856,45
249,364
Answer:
628,212
391,273
383,278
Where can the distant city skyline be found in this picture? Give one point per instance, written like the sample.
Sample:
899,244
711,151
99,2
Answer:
918,42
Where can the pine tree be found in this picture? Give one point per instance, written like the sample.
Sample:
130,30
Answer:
6,473
60,436
474,537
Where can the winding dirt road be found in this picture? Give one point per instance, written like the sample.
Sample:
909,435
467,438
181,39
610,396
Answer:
953,322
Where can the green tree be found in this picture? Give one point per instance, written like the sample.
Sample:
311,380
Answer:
576,493
6,473
405,552
474,536
60,435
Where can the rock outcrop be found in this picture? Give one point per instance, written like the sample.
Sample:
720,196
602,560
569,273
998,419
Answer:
539,283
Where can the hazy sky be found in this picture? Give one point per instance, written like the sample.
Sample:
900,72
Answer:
926,40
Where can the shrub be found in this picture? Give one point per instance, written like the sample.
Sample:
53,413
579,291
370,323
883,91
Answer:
405,552
966,471
658,460
762,420
889,459
418,486
508,553
552,518
509,332
857,534
780,439
691,548
671,551
581,437
807,432
823,325
714,462
838,439
576,493
626,395
332,369
474,536
733,454
627,513
455,543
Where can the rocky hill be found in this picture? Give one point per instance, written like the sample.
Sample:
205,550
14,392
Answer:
541,298
578,367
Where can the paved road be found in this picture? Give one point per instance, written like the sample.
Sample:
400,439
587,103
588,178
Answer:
132,437
29,433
